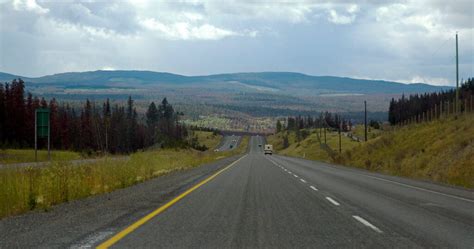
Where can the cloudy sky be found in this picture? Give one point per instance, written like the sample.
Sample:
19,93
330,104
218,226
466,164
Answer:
407,41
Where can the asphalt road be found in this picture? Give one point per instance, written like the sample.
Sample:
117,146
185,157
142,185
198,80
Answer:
261,202
229,143
280,202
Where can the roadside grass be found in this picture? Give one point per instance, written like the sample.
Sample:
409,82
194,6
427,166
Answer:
359,131
441,151
23,189
207,138
28,155
309,147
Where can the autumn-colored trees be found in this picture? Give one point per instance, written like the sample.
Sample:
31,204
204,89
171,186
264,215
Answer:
90,128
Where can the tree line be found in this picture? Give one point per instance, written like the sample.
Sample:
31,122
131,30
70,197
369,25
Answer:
325,120
405,108
91,128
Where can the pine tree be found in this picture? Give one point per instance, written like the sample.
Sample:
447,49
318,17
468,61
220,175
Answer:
278,126
2,114
152,117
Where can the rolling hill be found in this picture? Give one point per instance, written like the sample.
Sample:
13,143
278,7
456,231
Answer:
286,82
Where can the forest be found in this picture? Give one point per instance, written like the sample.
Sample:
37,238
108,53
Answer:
91,128
326,119
416,105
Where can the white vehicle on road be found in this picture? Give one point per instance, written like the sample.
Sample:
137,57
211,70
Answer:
268,149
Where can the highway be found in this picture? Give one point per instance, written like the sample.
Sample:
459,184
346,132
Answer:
279,202
229,143
258,201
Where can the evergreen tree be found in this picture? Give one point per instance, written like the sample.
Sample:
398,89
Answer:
278,126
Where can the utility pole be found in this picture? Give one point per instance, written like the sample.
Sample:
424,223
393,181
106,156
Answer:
325,132
49,137
36,137
340,147
365,119
457,76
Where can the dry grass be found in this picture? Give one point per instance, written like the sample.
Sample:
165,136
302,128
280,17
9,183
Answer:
28,155
310,148
441,151
208,139
23,189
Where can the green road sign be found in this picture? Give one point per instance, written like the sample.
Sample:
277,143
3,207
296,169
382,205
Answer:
42,122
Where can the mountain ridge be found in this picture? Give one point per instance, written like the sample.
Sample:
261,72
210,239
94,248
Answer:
285,81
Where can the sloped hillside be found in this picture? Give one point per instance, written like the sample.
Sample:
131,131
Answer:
441,151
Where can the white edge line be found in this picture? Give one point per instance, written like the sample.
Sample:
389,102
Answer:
366,223
332,201
418,188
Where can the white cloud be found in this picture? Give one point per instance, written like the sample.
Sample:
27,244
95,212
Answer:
390,39
428,80
29,5
350,13
186,31
339,19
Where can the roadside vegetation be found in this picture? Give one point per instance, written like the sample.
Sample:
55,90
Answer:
311,147
8,156
441,151
23,189
210,140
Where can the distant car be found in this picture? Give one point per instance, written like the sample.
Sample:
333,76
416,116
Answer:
231,146
268,149
259,145
216,150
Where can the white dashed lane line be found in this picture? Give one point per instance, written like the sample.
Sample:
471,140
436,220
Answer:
366,223
332,201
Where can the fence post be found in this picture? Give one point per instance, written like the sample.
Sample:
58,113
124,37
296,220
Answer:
465,105
470,109
441,109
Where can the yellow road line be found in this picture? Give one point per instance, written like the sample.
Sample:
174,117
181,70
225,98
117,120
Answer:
148,217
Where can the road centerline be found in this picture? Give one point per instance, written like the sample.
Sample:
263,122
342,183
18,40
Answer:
111,241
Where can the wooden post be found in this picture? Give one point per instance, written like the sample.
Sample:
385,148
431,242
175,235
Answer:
440,109
465,105
36,136
340,146
470,109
